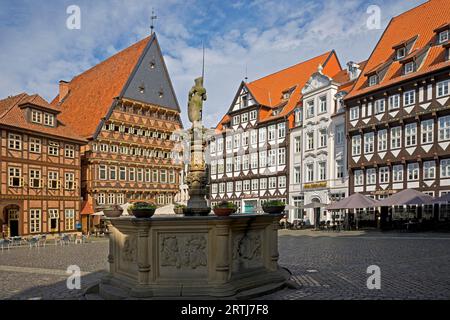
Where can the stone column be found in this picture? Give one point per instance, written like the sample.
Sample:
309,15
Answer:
142,255
112,247
273,236
222,253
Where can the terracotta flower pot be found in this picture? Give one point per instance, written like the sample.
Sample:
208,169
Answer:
274,209
224,212
143,213
113,213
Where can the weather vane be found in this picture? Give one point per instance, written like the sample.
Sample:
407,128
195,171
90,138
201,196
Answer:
153,17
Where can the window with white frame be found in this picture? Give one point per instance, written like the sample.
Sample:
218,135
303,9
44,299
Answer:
409,67
112,173
163,176
382,140
14,141
396,138
139,175
359,178
371,176
69,178
236,120
35,220
263,159
102,174
36,116
53,180
281,130
212,147
246,185
155,175
262,135
369,140
310,109
427,130
297,175
282,182
237,164
120,198
323,104
309,172
35,145
413,171
253,137
272,158
354,113
253,115
214,188
298,116
228,143
229,165
281,156
254,160
340,134
444,128
409,98
213,167
148,175
35,178
221,187
220,145
237,140
132,174
238,186
220,166
310,140
255,185
445,168
49,120
397,173
69,151
340,170
380,106
443,88
297,144
53,148
394,102
272,132
263,184
244,117
230,186
443,36
122,173
245,139
323,138
171,176
429,170
15,177
245,162
356,145
322,165
111,198
384,174
272,182
373,80
411,134
69,219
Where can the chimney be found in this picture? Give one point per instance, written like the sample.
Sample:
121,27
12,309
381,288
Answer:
63,90
353,70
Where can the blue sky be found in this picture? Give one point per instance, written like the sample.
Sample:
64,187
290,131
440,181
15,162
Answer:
262,36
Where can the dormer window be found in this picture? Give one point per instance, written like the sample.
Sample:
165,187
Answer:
373,80
401,53
443,36
36,116
49,119
244,101
286,96
409,67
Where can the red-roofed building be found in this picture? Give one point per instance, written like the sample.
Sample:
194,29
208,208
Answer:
398,114
249,154
127,109
40,168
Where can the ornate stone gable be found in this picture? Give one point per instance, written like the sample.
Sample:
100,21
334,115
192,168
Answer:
318,80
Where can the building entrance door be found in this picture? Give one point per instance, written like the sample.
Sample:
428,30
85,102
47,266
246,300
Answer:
250,206
53,216
13,222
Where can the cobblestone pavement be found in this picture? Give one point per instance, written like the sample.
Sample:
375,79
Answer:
324,265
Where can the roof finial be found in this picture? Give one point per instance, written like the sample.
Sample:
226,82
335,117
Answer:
246,73
153,17
320,68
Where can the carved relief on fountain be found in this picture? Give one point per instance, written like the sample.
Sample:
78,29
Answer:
247,251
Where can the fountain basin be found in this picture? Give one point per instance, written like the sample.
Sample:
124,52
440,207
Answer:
186,257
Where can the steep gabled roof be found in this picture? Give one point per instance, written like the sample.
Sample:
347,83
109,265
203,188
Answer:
12,115
422,22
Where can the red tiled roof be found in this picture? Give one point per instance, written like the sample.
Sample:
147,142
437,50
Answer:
92,93
37,100
12,115
422,22
86,208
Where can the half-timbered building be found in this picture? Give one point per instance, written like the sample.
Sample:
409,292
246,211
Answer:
250,153
398,112
39,168
127,109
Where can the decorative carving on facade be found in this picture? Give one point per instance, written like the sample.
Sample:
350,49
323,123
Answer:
129,250
183,251
247,246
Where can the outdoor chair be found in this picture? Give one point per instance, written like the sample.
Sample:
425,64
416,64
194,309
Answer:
65,240
85,239
42,241
78,239
5,243
33,242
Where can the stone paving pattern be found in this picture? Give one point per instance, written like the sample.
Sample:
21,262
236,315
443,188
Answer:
325,265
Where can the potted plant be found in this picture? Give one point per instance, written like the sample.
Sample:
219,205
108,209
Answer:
274,207
143,209
113,211
224,209
179,208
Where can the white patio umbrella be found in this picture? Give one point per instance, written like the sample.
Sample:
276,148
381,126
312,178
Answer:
100,213
166,210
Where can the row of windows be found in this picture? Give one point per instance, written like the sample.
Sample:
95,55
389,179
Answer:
122,173
36,219
398,173
409,99
135,151
262,159
36,180
44,118
250,185
411,139
321,169
140,132
146,112
245,117
311,107
238,140
35,146
120,198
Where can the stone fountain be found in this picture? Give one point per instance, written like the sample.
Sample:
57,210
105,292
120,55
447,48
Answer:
195,256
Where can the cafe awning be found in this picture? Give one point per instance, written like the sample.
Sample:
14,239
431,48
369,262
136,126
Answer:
355,201
406,197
